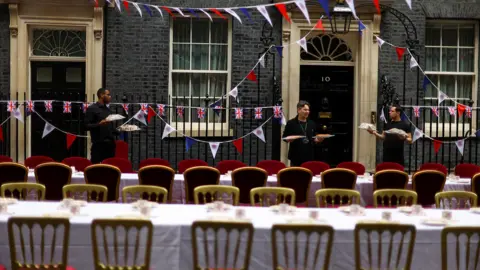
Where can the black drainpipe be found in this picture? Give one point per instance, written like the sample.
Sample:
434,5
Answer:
104,71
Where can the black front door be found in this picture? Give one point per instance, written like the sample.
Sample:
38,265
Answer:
329,90
61,81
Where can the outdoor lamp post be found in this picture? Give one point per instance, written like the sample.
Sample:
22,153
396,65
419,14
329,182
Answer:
340,18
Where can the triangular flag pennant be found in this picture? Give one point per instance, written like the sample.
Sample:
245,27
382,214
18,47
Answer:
279,50
140,116
303,43
400,51
1,134
245,12
460,145
252,76
413,62
17,114
207,14
319,25
324,4
138,8
179,11
477,133
262,61
193,13
47,129
188,143
301,5
151,113
461,109
125,4
214,148
437,145
70,139
283,10
167,130
377,5
238,143
426,82
409,3
216,11
264,12
117,3
417,135
149,11
169,11
259,133
403,116
351,5
231,12
284,120
379,41
159,10
233,92
441,97
382,116
361,27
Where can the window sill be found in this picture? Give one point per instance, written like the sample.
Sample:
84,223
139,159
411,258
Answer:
195,130
447,131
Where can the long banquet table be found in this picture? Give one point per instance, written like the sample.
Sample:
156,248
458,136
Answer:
172,237
363,185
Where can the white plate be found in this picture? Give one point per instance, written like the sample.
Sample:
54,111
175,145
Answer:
8,201
114,117
276,208
345,209
475,210
436,222
405,209
62,214
8,213
132,215
305,220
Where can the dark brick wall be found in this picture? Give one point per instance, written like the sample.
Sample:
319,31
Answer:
137,63
4,49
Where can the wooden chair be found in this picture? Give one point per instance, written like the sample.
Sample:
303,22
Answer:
469,235
339,178
236,251
122,229
11,172
199,176
390,179
426,184
331,195
313,235
149,193
246,179
157,175
20,228
54,176
211,193
444,199
263,195
97,193
107,175
394,197
22,190
381,230
298,179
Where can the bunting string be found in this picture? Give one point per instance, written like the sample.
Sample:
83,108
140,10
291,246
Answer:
56,128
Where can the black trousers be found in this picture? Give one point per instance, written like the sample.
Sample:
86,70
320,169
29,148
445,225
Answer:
102,150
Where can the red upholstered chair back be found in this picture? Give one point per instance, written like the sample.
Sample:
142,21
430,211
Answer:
107,175
390,179
154,161
434,167
121,149
199,176
123,164
316,167
389,166
271,166
34,161
339,178
246,179
298,179
157,175
53,176
190,163
427,183
466,170
5,159
229,165
357,167
80,163
11,172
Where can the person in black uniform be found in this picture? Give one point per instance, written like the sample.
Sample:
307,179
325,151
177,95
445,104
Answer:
301,150
102,132
393,143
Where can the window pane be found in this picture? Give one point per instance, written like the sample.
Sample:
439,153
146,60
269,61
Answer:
218,85
433,59
218,57
464,84
447,85
181,30
467,36
449,59
449,35
180,84
220,31
200,57
431,91
432,35
44,74
199,85
200,30
466,60
74,75
181,56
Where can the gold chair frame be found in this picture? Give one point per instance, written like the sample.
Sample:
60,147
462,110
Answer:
389,171
142,189
23,189
157,167
105,166
216,192
449,195
88,188
333,170
333,193
185,182
398,193
282,171
468,231
279,192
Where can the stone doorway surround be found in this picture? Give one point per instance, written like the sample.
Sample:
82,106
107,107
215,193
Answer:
26,15
365,54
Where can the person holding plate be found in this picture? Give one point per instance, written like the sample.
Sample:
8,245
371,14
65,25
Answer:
300,133
393,142
102,131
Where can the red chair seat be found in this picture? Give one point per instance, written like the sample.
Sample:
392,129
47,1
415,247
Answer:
271,166
316,167
123,164
80,163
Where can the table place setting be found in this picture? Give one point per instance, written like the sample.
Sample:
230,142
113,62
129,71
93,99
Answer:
4,203
312,218
353,210
445,220
414,210
141,209
221,211
68,208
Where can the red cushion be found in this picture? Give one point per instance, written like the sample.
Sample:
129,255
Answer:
2,267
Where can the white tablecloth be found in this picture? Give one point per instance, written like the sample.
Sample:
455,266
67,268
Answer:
364,186
172,236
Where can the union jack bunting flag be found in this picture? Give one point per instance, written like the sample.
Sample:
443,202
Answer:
416,111
11,106
469,112
217,109
67,107
125,107
238,113
201,113
258,113
180,111
85,107
277,112
144,108
435,111
451,110
48,106
161,109
30,106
